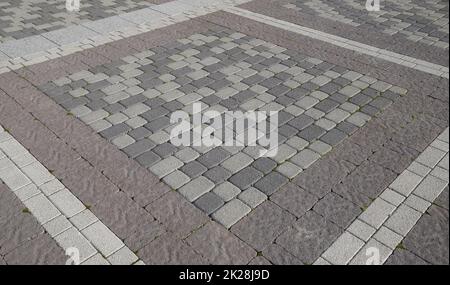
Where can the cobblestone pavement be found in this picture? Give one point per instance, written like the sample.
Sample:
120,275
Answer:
86,159
416,21
129,102
24,18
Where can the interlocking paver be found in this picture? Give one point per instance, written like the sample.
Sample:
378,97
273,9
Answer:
337,210
343,249
222,70
231,212
196,188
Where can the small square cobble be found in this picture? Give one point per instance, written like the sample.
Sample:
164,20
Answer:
209,203
246,177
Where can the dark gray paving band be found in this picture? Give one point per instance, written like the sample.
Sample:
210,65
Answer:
172,210
365,34
22,239
427,243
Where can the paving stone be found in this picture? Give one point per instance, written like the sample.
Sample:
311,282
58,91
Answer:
392,197
123,256
294,199
216,71
37,173
252,197
343,249
83,219
214,157
361,230
289,170
196,188
27,192
187,155
246,177
264,164
215,235
217,174
270,183
41,249
388,237
337,115
42,208
177,214
297,143
428,238
102,238
417,203
267,218
227,191
176,179
337,210
168,250
209,203
57,226
305,158
67,203
362,258
237,162
430,157
301,122
193,169
279,256
73,238
377,213
148,159
333,137
231,212
164,150
166,166
430,188
404,257
312,133
309,237
115,131
403,219
139,147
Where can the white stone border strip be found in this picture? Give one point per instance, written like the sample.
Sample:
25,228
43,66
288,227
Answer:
390,56
16,54
386,222
62,215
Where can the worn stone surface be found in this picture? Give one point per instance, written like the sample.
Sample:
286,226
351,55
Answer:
267,218
222,246
306,82
309,237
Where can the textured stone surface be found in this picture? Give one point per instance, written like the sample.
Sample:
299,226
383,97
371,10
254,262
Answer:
294,199
40,250
429,237
223,247
178,215
167,250
349,154
267,218
338,210
45,19
309,237
133,98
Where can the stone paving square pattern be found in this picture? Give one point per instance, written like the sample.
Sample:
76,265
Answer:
23,18
129,102
415,21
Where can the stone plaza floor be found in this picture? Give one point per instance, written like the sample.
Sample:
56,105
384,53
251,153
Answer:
87,162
